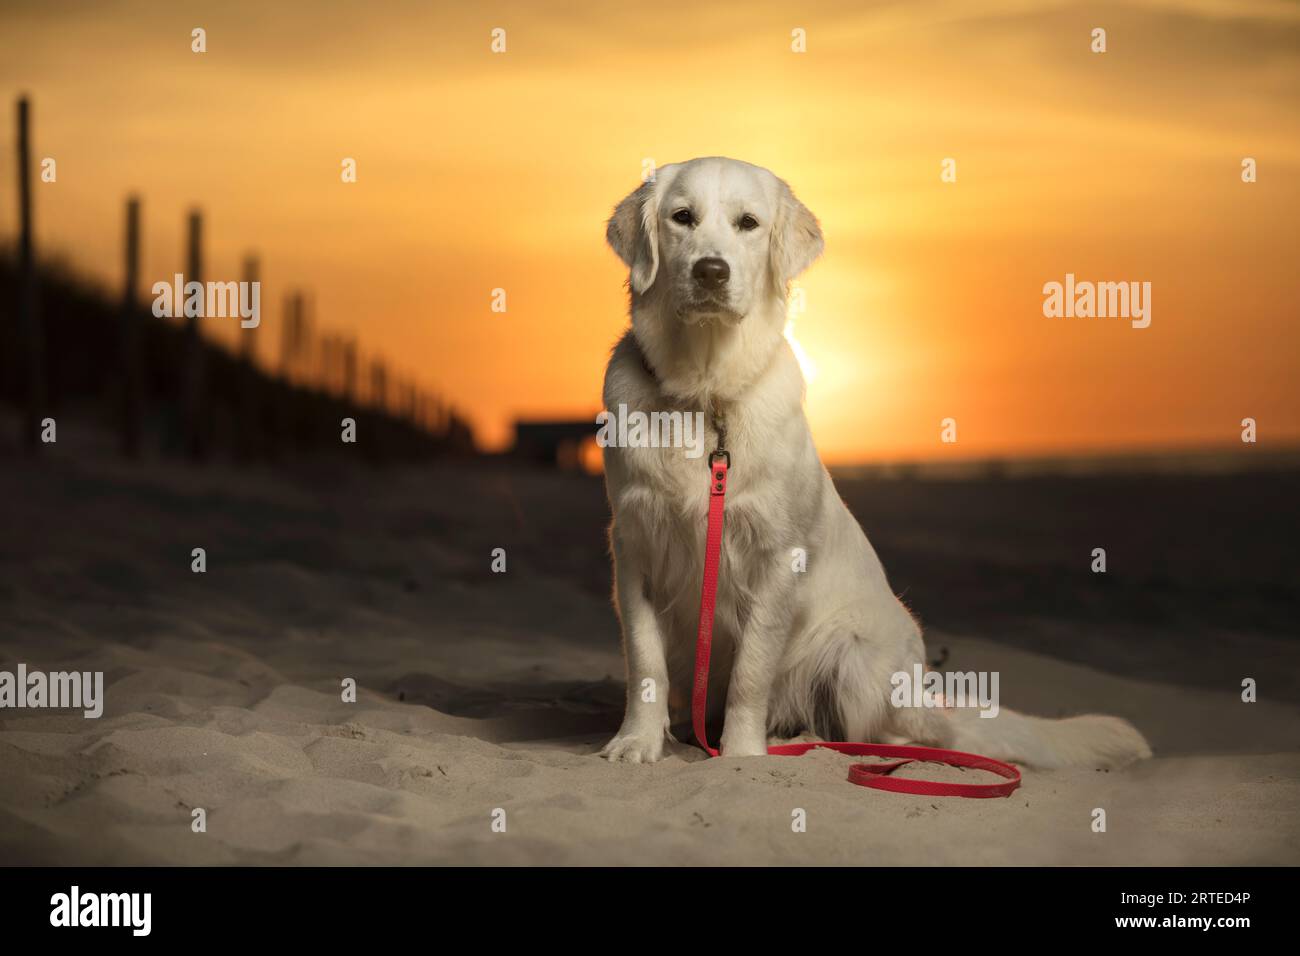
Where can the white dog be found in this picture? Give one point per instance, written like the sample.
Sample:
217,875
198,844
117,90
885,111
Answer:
711,246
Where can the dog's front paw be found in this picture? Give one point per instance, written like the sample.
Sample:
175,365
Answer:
742,740
739,747
636,747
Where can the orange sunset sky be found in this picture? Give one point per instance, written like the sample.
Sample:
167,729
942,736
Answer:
479,170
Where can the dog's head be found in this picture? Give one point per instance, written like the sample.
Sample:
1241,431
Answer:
712,238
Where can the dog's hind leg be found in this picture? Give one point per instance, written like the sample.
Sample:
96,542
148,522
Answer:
834,687
929,727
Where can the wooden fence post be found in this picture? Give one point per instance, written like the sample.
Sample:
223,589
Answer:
193,396
29,317
248,337
350,371
248,426
129,336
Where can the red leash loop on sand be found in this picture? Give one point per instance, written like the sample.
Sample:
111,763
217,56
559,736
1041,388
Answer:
874,775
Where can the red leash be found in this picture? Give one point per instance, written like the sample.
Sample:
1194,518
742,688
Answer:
874,775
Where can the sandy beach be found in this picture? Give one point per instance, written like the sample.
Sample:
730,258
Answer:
480,692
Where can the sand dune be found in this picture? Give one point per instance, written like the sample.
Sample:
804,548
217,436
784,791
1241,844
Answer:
289,774
223,692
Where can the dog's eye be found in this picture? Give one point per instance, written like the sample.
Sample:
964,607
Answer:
748,222
684,217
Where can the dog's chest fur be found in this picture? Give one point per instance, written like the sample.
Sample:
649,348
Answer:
660,499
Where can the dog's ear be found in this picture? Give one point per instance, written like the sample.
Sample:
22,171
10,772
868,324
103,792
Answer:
796,237
633,232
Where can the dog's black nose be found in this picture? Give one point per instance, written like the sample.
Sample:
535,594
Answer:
711,273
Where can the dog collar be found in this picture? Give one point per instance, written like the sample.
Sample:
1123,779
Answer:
716,418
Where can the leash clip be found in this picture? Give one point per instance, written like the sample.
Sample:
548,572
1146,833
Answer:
718,472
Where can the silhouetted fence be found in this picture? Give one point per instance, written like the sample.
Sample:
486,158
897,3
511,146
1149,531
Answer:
72,349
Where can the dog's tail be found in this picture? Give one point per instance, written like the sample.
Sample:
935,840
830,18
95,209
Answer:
839,689
1091,740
